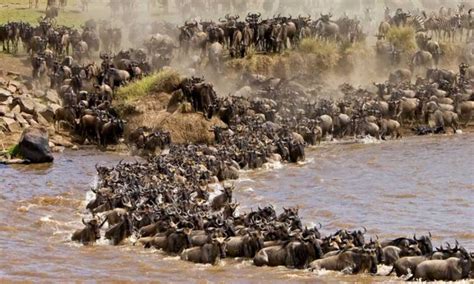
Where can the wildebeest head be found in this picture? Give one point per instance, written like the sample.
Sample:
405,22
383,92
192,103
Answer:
358,237
424,243
119,231
90,233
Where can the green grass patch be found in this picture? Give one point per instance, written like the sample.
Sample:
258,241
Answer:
12,11
165,81
14,151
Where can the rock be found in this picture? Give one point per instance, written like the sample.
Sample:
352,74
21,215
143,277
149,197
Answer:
3,110
13,74
41,120
52,96
45,111
4,94
54,107
34,145
27,104
15,83
75,147
12,89
33,122
16,109
38,93
58,149
10,124
10,115
8,102
3,82
244,92
26,116
21,120
60,141
23,90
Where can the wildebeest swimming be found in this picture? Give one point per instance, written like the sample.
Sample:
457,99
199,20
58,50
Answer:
165,202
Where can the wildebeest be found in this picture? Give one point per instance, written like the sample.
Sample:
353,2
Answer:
295,254
90,234
353,262
451,269
209,253
245,246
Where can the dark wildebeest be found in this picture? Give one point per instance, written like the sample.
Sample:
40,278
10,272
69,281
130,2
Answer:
209,253
90,234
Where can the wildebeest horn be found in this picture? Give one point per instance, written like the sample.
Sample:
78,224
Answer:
127,203
260,14
414,237
429,234
83,222
320,226
103,222
365,229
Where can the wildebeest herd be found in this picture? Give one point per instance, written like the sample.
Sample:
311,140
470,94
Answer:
166,203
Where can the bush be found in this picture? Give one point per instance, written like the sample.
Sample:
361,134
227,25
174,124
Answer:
402,38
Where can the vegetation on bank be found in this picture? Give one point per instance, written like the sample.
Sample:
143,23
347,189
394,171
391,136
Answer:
165,81
402,38
312,56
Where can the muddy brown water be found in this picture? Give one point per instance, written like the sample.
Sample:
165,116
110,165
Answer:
395,188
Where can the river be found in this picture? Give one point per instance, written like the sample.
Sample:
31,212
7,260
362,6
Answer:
397,188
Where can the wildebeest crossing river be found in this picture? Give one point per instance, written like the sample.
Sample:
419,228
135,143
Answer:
396,188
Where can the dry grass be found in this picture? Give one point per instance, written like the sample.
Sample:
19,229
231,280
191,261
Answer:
184,127
403,38
319,55
164,81
452,53
253,63
149,98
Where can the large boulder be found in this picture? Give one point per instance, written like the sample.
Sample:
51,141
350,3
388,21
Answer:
34,145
